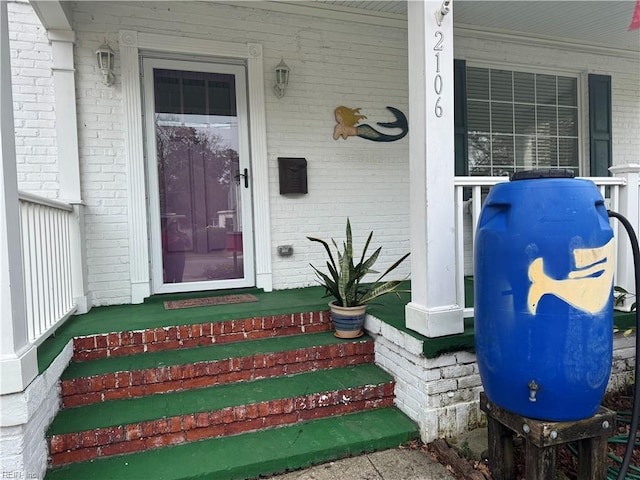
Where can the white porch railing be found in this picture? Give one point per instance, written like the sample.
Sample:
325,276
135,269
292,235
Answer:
46,257
468,213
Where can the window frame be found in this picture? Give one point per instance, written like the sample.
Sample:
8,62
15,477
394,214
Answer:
582,101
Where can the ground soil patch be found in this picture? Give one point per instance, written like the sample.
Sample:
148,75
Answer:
455,458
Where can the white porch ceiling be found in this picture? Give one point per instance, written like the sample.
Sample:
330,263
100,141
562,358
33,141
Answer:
597,22
600,23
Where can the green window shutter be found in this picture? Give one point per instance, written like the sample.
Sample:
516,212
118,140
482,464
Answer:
460,117
600,125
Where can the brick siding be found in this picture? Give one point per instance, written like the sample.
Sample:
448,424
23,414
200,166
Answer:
34,113
333,62
442,394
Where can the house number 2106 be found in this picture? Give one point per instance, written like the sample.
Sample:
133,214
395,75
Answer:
437,80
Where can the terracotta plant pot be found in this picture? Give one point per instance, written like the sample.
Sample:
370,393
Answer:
348,321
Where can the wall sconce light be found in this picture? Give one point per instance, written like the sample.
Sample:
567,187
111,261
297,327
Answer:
105,57
282,79
442,11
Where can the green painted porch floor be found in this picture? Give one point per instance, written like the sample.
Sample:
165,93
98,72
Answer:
256,453
209,353
151,314
165,405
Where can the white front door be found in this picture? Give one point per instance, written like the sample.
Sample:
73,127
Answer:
197,145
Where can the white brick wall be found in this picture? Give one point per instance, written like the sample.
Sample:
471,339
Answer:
623,361
24,419
333,62
442,394
341,64
34,115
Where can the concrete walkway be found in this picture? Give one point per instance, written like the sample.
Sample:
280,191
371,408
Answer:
396,464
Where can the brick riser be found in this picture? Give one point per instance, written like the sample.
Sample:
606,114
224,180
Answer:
82,391
82,446
188,336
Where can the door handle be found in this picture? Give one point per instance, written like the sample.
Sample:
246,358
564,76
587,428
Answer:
244,175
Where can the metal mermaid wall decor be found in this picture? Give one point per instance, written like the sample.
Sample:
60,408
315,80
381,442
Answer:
347,125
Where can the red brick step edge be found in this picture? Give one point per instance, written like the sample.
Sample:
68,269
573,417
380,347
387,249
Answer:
138,383
187,336
102,442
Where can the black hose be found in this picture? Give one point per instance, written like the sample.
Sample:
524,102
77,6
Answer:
633,431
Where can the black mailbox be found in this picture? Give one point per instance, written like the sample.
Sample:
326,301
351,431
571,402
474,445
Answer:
293,175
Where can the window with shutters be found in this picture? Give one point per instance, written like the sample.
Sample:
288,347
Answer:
520,121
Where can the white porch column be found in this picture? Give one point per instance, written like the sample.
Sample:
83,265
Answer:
68,157
433,310
18,360
630,208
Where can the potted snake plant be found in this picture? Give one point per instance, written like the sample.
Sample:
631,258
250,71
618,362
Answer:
344,282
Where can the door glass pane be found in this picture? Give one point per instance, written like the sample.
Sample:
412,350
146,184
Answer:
167,94
197,145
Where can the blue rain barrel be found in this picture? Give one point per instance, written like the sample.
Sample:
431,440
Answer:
543,289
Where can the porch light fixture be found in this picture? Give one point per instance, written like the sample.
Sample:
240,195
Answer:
282,79
442,11
105,57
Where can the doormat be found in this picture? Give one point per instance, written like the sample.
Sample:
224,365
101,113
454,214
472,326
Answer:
207,301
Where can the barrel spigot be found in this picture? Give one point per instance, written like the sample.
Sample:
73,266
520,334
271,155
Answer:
533,390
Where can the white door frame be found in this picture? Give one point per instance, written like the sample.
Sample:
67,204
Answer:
131,42
238,71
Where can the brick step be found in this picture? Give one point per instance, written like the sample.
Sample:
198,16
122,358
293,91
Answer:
139,424
175,370
254,454
115,344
